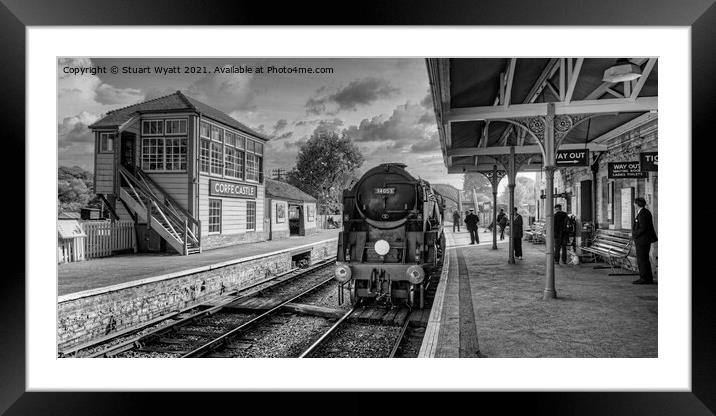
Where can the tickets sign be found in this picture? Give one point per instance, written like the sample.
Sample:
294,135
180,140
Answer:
231,189
572,157
649,161
619,170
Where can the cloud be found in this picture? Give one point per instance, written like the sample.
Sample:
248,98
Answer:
153,93
227,92
75,141
427,101
362,91
78,93
427,118
328,126
280,125
403,128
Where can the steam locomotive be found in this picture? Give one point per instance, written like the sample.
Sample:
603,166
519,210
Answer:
392,234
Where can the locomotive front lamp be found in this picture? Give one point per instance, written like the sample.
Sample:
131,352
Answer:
382,247
343,273
415,274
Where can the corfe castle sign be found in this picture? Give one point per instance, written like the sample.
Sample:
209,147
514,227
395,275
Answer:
231,189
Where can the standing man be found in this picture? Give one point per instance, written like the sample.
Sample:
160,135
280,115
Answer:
517,234
561,235
455,221
502,221
471,221
644,234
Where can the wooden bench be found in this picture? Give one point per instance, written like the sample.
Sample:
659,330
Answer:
614,246
536,232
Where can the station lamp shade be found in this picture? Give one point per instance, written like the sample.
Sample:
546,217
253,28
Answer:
622,70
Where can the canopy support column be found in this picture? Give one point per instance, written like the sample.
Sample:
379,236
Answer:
494,176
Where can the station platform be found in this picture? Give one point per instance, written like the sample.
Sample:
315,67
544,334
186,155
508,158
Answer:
109,271
486,307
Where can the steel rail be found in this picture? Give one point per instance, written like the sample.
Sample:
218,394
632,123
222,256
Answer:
239,294
323,337
199,351
400,337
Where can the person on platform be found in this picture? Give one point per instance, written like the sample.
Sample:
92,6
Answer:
517,234
502,222
561,235
643,234
471,221
455,221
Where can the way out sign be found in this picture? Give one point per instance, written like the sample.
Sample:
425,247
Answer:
619,170
572,157
649,161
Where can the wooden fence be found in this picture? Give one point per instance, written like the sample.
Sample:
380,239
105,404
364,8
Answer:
102,239
105,237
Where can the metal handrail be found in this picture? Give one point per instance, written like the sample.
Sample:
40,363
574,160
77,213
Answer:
172,219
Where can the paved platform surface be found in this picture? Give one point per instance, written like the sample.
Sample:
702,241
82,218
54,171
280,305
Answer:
97,273
496,308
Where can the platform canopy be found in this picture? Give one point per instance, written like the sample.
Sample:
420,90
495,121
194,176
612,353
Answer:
473,96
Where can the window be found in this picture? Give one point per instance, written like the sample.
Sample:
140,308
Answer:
231,165
251,215
204,130
214,215
217,134
240,142
163,154
204,156
216,158
175,127
230,139
254,162
175,151
106,142
152,127
252,173
152,154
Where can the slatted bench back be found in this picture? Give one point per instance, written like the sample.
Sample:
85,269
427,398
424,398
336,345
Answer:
617,243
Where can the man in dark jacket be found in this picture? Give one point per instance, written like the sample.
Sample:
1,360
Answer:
643,234
502,222
561,235
517,234
471,221
455,221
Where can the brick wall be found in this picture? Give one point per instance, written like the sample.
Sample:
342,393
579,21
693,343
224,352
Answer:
82,319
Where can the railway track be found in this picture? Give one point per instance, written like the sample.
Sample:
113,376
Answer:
135,342
296,317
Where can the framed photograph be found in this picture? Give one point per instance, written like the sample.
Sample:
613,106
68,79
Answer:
280,213
64,111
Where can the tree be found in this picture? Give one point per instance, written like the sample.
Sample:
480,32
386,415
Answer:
524,192
75,189
326,165
480,183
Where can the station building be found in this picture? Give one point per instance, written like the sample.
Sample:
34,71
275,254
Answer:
291,211
601,198
189,175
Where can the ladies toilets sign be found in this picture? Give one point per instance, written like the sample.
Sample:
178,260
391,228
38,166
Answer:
619,170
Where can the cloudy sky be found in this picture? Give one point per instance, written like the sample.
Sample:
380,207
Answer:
382,104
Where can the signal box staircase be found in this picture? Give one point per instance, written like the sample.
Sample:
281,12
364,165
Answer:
160,212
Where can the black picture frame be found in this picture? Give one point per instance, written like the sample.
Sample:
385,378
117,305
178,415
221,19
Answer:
16,15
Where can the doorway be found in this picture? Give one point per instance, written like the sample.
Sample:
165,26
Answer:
127,155
295,219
